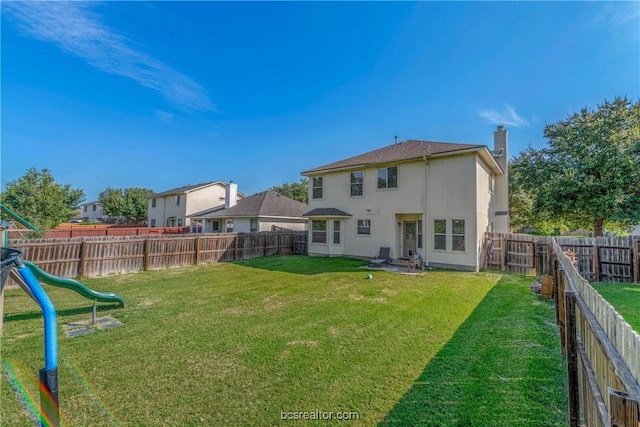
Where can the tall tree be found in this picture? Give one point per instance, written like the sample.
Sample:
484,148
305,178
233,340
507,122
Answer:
40,200
296,190
589,175
129,203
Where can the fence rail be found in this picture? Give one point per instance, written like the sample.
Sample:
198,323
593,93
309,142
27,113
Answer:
101,256
601,259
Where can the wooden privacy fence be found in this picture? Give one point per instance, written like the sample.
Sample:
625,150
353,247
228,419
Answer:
601,259
602,350
101,256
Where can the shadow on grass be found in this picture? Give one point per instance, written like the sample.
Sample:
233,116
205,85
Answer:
303,264
503,366
60,313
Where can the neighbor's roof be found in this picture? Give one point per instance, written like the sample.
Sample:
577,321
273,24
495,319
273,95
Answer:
406,150
186,189
265,204
328,212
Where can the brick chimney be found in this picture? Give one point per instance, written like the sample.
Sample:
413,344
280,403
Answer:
230,195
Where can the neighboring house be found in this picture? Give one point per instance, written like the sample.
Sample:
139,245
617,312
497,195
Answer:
92,211
172,208
265,211
431,199
636,231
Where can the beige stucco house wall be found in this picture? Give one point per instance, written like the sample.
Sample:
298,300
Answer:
447,194
172,208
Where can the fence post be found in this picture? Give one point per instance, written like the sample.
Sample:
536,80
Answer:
83,257
596,262
571,344
145,252
635,246
197,250
503,253
623,410
562,309
235,247
485,246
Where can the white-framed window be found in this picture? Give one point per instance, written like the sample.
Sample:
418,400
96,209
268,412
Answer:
153,222
178,200
364,227
196,225
216,225
179,222
318,231
253,225
85,208
95,207
336,232
357,183
457,234
388,177
419,234
440,234
316,187
153,203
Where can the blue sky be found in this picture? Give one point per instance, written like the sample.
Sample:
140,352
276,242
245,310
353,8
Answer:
164,94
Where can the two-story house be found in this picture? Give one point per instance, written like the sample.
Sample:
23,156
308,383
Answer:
92,211
172,208
433,199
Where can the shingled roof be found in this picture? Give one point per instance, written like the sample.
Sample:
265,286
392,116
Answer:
406,150
186,188
265,204
328,212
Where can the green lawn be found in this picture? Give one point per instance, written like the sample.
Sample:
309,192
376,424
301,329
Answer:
244,343
625,298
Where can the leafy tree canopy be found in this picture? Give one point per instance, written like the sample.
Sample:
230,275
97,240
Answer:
296,190
588,176
129,203
40,200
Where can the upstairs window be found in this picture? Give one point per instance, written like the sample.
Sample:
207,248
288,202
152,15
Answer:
388,177
317,187
177,200
85,208
94,207
153,203
357,179
253,225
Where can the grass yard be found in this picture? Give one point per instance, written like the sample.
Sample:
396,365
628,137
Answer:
625,298
251,343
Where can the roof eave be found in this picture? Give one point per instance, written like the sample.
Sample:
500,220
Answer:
462,151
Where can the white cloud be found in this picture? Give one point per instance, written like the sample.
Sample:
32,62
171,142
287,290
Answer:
164,116
79,31
507,117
